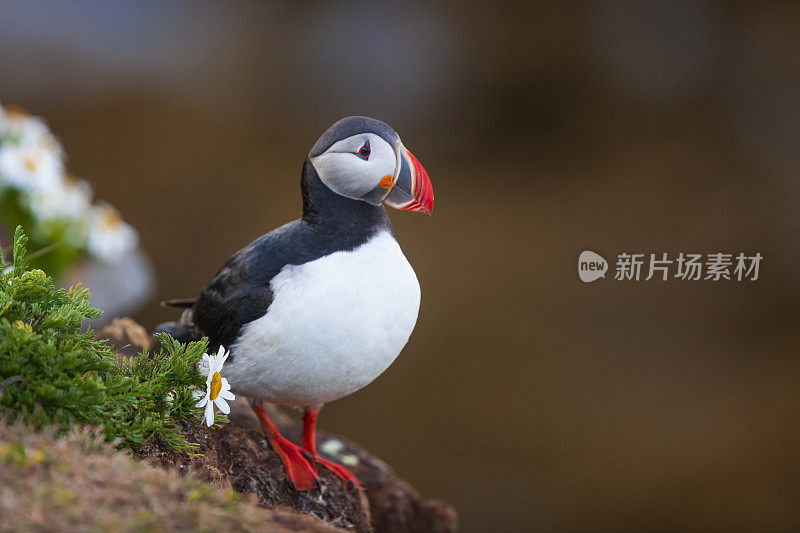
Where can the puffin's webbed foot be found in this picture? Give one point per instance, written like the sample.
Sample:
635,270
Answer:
300,472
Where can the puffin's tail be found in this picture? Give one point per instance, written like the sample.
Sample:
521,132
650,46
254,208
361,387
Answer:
181,303
185,329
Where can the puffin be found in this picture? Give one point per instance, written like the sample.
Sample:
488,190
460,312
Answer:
318,308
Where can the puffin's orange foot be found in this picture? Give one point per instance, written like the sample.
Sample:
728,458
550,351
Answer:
340,471
301,473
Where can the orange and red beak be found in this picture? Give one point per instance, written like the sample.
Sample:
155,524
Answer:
412,189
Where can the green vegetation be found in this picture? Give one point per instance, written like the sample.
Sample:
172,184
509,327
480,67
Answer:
52,373
60,242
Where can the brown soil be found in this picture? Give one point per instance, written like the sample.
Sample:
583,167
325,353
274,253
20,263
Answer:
237,455
75,484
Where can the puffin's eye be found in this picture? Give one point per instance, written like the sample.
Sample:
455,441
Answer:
364,151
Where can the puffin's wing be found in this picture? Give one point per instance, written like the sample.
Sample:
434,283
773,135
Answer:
240,292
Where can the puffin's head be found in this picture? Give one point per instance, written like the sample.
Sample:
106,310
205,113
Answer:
363,159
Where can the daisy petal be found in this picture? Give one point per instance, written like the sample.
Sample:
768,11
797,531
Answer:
223,405
198,394
203,365
210,414
203,401
228,395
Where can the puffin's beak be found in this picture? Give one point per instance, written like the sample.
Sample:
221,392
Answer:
412,189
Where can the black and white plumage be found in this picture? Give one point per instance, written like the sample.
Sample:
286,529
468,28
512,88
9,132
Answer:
318,308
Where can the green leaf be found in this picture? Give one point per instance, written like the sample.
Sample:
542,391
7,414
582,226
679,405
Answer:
20,239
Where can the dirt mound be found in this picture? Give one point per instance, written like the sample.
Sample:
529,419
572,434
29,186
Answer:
238,455
74,484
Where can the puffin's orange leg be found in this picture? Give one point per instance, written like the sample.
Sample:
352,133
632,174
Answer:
301,473
310,446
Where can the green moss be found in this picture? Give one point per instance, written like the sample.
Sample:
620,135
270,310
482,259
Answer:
53,373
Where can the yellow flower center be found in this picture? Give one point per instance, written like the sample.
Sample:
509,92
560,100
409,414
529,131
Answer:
16,111
110,219
30,163
216,386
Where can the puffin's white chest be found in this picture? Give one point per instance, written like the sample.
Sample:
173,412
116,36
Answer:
334,325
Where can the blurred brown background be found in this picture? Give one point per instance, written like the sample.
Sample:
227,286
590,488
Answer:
527,398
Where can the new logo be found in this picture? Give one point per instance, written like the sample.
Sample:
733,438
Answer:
591,266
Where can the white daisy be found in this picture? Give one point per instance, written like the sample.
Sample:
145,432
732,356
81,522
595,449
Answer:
16,124
217,388
110,238
71,199
30,167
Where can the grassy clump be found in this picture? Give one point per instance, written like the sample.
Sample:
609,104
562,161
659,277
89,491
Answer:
52,373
